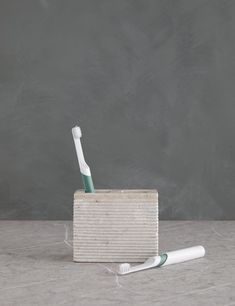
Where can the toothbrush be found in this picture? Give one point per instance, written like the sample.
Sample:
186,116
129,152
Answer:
84,168
165,259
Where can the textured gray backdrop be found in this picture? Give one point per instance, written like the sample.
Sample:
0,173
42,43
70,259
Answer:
152,84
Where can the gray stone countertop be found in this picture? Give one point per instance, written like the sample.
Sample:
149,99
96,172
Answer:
36,268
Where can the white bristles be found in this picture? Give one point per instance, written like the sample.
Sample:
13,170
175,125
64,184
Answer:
77,133
124,268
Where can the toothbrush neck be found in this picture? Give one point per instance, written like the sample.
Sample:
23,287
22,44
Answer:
84,168
79,150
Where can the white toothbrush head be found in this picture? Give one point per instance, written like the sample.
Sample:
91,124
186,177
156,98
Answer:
124,268
76,131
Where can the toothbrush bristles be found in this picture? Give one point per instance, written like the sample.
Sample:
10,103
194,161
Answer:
124,268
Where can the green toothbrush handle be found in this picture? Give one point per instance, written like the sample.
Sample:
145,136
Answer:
88,183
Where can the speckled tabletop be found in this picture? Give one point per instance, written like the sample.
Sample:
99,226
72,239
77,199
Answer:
36,268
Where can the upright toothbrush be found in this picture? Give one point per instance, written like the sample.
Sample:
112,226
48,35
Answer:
84,168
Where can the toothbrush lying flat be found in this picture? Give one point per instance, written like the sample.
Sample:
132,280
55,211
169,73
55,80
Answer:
168,258
84,168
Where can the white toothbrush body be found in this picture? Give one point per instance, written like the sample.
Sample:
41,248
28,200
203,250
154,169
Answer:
84,168
168,258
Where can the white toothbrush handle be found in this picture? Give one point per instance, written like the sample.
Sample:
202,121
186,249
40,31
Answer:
184,255
165,259
84,168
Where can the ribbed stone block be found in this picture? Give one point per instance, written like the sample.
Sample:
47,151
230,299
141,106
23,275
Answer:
115,225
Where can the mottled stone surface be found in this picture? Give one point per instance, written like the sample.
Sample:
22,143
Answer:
36,268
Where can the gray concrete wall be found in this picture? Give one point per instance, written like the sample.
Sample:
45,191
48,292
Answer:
152,84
